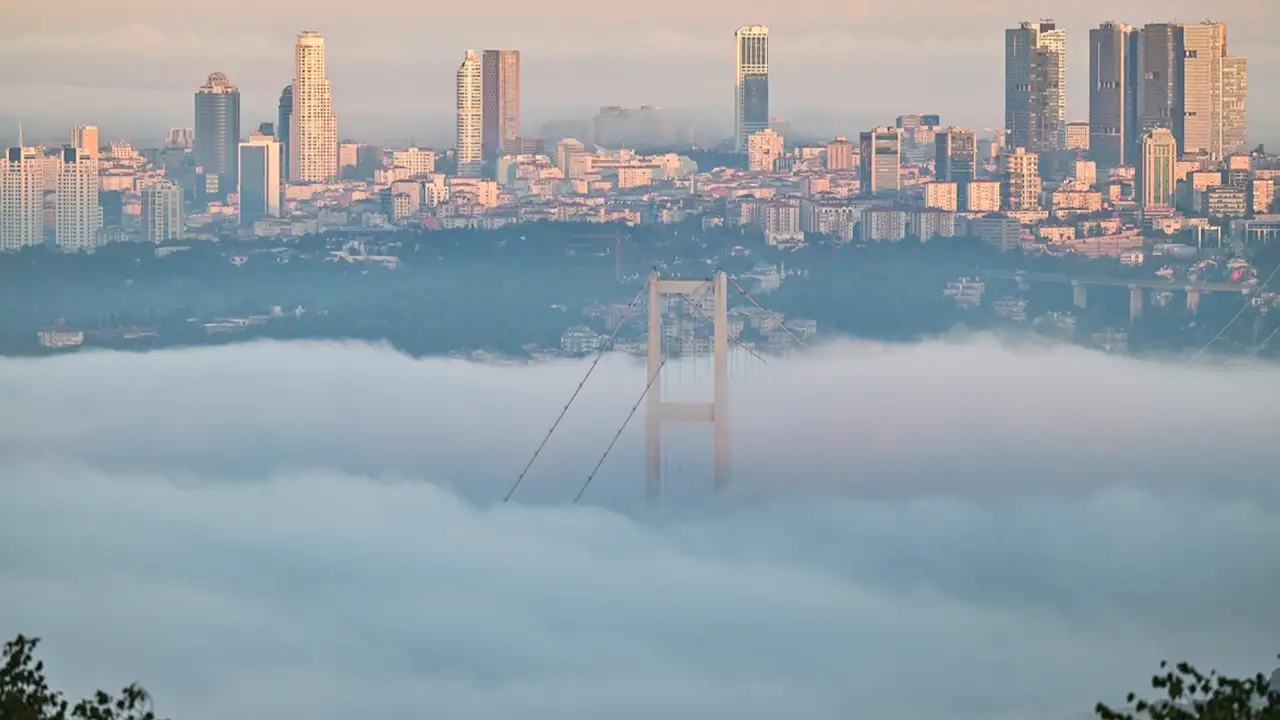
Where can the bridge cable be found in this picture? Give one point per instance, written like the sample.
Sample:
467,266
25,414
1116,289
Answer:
599,355
736,342
1263,345
1235,317
766,311
657,374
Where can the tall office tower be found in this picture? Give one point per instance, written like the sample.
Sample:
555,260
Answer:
1035,108
751,83
1020,183
1157,172
1199,126
1235,96
162,211
470,145
218,130
284,117
1160,62
880,160
313,128
259,178
21,198
956,160
78,217
501,111
840,154
1112,94
85,137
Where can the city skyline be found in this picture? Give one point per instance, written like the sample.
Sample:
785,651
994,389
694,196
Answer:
955,74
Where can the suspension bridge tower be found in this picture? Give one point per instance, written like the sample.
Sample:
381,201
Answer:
660,412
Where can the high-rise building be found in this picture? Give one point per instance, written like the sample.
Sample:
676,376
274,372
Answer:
501,111
78,217
218,130
469,145
840,154
112,202
259,178
1235,96
284,120
1198,127
162,211
751,85
956,159
1035,115
1157,172
1161,65
1020,183
313,128
880,158
21,198
1113,94
763,150
179,138
85,137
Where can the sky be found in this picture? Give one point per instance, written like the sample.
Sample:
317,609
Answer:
962,528
838,66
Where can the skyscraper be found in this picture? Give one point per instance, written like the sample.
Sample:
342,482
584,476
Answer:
470,90
1157,173
259,178
284,117
78,222
751,86
162,211
501,107
880,160
218,130
1113,80
1035,115
1198,127
1235,96
313,128
21,198
956,160
1161,65
85,137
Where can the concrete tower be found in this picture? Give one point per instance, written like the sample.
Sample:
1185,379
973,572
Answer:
313,128
751,83
470,103
1157,173
21,198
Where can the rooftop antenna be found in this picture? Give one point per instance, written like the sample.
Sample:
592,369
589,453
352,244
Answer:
20,134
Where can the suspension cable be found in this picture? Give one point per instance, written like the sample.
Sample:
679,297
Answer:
599,355
1235,317
656,374
766,311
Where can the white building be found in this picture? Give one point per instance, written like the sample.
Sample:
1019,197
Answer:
763,150
162,211
470,125
313,128
259,180
415,160
78,219
21,199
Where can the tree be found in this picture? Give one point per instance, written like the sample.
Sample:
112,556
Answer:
1193,695
25,693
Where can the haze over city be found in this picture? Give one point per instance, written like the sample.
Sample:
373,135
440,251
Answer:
836,67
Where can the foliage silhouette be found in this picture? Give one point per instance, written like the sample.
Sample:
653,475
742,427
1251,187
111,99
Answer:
25,693
1193,695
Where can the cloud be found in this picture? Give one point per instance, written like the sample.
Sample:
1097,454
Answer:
950,529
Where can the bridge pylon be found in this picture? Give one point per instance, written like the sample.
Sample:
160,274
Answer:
658,411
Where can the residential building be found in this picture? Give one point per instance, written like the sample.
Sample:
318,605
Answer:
840,154
1020,180
942,195
469,147
956,159
763,150
21,198
1235,95
313,127
85,138
1078,136
78,216
162,211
